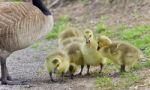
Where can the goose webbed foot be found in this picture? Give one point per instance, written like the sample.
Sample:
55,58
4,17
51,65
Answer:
7,82
8,78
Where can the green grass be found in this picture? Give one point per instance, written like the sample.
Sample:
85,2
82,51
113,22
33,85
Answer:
134,33
62,23
125,80
36,45
101,26
84,2
141,65
122,27
137,35
16,0
128,79
104,81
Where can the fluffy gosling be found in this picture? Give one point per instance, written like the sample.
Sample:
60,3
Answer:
70,35
90,53
75,54
121,53
58,62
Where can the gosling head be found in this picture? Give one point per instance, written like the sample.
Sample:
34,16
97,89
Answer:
56,62
88,34
103,41
72,68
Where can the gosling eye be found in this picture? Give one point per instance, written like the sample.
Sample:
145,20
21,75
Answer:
90,35
57,65
55,61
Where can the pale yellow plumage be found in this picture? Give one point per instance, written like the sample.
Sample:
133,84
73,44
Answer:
61,57
70,41
120,53
57,62
74,52
89,50
70,35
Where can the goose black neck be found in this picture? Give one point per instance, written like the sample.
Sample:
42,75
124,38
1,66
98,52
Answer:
41,6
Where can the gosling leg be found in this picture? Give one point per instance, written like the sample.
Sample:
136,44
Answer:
122,69
101,68
82,66
88,68
51,77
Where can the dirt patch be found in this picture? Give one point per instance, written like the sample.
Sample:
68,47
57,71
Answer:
28,64
87,15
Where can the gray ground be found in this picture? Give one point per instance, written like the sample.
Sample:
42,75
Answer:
27,64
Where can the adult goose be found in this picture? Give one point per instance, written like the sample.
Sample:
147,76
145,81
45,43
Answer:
21,24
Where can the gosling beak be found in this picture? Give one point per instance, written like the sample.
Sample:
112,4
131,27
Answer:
98,48
87,41
55,69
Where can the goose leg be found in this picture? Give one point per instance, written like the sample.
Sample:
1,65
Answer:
8,76
5,76
3,71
